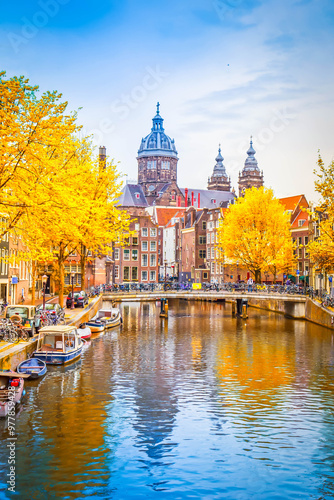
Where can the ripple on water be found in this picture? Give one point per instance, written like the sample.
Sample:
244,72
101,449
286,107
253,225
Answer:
201,406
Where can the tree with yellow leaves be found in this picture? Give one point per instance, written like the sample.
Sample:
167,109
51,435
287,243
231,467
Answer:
322,250
35,134
255,233
81,214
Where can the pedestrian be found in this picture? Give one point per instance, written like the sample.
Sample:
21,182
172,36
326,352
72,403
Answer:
250,284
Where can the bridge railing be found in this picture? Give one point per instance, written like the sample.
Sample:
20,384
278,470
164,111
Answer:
205,287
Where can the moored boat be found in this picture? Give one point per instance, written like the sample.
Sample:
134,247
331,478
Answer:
58,344
33,367
11,391
95,325
110,317
84,331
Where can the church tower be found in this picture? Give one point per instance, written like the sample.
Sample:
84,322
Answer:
250,175
157,162
219,180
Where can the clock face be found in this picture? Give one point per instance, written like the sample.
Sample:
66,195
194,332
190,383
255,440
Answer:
151,187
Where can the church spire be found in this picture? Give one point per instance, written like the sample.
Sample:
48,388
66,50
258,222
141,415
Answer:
219,180
158,121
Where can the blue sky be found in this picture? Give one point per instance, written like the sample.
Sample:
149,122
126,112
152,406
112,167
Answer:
222,70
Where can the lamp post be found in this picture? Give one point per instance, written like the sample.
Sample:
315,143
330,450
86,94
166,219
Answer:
44,281
165,274
72,281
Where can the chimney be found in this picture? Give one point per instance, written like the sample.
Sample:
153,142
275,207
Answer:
199,200
186,197
102,156
192,198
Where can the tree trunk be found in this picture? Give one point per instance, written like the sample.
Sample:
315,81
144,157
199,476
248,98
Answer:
258,276
61,274
83,260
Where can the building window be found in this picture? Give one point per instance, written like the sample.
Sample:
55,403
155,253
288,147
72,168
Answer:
144,232
212,267
116,253
204,225
306,240
134,254
126,254
153,232
165,165
301,222
151,164
144,259
300,266
135,241
134,274
152,275
116,268
300,253
153,260
205,276
144,246
202,254
153,246
144,275
202,240
126,273
300,240
137,227
212,252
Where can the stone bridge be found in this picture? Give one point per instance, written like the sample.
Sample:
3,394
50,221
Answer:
292,306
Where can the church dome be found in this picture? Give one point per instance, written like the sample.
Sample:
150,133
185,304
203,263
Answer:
157,143
251,161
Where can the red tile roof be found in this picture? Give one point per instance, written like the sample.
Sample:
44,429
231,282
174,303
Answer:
301,216
291,202
164,215
178,214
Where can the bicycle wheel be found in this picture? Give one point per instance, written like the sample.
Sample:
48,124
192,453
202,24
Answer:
23,334
12,335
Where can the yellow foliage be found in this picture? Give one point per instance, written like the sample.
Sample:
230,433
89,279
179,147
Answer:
322,250
255,233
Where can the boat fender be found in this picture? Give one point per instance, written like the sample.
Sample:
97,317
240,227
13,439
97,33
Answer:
121,320
24,392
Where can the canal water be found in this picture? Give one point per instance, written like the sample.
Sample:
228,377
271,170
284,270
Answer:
202,406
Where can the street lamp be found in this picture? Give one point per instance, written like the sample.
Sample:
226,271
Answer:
72,281
44,281
165,274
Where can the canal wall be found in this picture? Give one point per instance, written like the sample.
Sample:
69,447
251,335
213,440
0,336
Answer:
290,309
13,356
87,313
317,314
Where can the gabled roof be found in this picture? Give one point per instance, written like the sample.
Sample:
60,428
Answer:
163,215
132,195
210,198
291,202
178,215
301,216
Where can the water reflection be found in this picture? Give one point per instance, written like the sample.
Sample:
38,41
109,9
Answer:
202,405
